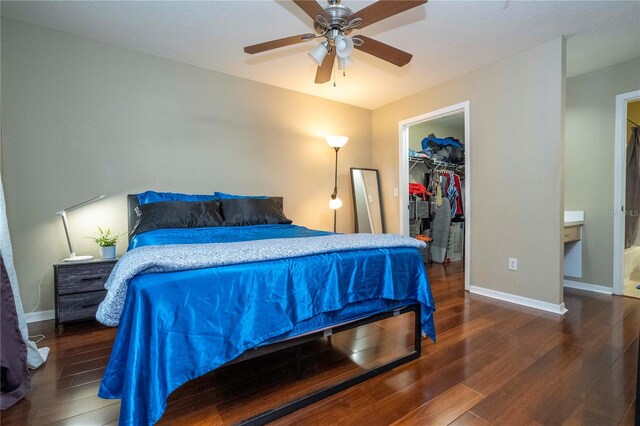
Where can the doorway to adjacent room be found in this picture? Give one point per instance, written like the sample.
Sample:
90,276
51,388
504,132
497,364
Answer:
626,253
435,184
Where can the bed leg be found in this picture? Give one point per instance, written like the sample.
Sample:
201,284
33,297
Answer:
417,330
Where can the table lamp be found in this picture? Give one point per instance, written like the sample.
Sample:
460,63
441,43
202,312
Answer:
63,214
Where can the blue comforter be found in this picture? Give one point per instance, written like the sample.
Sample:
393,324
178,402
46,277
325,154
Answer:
177,326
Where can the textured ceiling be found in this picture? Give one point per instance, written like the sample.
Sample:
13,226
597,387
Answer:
447,38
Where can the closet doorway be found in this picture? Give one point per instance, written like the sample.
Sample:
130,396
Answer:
434,151
626,208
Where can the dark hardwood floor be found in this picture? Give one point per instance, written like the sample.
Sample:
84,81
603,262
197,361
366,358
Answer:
494,363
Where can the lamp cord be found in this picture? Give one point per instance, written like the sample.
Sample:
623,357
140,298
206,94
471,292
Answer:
39,336
40,290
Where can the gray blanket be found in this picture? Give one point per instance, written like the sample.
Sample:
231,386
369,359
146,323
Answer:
182,257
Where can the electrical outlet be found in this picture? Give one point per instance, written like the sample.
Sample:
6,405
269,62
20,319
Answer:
513,264
395,192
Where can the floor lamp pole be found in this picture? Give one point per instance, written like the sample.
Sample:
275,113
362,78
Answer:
336,142
335,190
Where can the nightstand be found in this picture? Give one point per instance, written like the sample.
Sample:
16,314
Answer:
79,288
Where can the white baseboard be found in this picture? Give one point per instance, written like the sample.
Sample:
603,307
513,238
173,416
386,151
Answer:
39,316
588,287
520,300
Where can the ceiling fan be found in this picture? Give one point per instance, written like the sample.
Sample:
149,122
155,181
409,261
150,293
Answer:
334,22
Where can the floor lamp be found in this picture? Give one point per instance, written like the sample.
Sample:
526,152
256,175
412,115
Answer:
63,214
336,142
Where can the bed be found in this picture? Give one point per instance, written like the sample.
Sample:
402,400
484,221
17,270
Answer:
180,323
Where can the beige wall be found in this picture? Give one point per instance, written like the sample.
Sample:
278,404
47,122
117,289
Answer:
516,142
589,168
82,118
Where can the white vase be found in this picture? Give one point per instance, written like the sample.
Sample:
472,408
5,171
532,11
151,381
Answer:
108,252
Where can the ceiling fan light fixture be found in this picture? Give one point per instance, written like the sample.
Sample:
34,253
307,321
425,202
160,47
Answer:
344,46
334,22
344,63
318,53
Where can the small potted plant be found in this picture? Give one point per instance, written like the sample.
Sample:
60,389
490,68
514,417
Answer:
107,242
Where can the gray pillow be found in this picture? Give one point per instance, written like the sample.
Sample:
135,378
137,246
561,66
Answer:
252,211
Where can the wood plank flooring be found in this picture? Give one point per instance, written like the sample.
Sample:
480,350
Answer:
494,363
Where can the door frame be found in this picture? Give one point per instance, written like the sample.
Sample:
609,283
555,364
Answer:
403,195
620,175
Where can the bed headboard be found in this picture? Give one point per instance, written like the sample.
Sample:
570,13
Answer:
132,203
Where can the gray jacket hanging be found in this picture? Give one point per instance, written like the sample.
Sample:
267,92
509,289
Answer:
632,196
441,224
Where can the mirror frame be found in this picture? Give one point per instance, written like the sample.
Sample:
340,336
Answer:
353,194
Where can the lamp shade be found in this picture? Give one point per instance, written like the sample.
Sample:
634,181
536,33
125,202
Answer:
318,53
344,63
337,141
335,203
344,46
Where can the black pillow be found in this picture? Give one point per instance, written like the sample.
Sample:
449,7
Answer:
252,211
177,214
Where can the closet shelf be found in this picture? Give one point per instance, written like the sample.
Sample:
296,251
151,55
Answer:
435,164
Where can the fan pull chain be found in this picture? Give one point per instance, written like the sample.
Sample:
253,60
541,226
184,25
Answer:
335,71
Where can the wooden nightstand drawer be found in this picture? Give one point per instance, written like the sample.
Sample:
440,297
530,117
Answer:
79,288
83,277
571,234
79,306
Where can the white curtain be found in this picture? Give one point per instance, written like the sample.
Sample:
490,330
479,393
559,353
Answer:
36,357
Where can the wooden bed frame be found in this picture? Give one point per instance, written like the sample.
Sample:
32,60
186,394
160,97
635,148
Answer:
283,410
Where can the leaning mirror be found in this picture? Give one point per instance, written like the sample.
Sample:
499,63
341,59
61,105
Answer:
367,202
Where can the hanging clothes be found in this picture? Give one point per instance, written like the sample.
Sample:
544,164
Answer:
462,196
632,197
452,194
419,189
453,189
440,233
459,200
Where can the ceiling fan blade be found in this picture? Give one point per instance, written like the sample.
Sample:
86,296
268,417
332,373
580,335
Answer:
383,9
311,8
324,71
384,51
281,42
